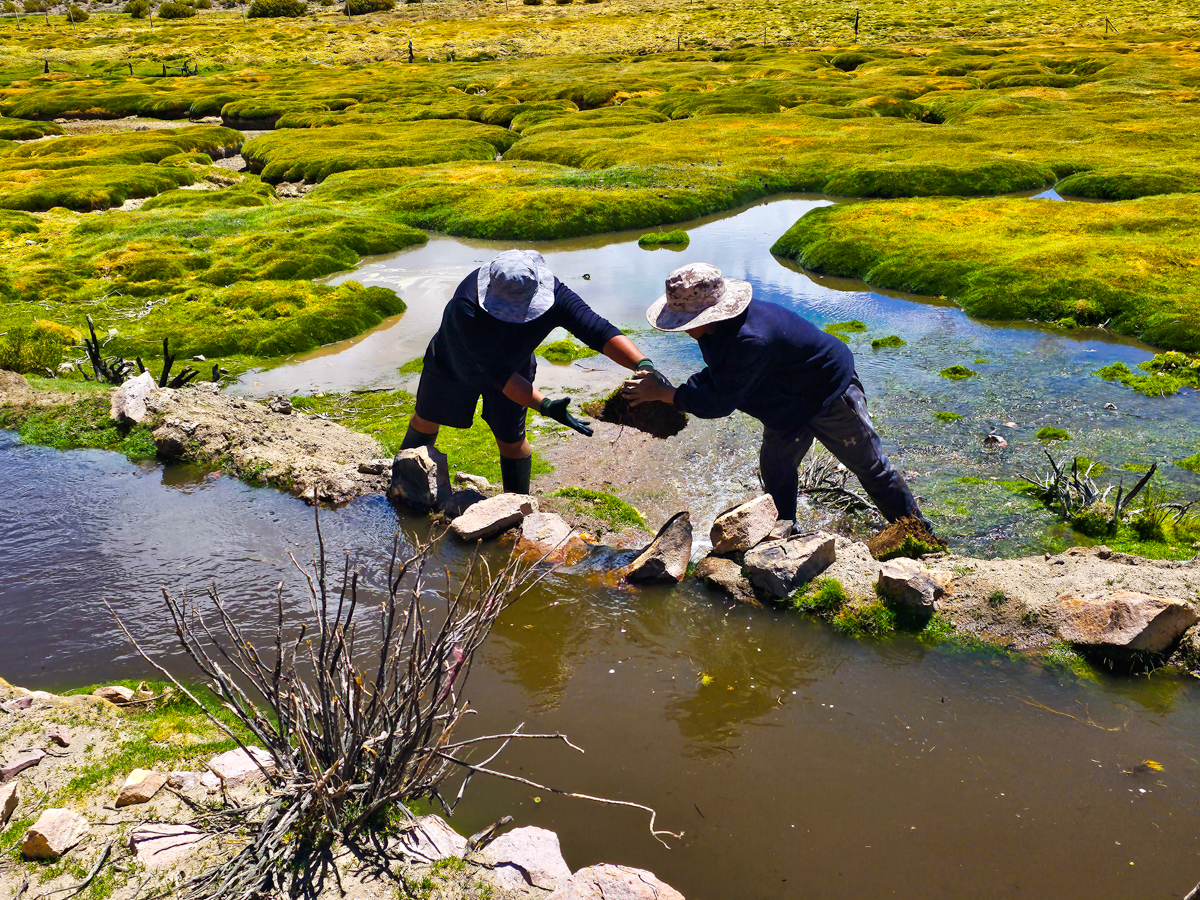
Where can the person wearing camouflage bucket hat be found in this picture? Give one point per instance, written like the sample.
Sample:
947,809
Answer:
497,317
772,364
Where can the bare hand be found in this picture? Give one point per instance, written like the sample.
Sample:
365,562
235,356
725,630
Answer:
646,386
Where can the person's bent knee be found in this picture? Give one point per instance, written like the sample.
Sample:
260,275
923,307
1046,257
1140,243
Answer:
423,425
515,449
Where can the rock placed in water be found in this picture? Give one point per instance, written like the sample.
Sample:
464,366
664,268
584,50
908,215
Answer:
128,403
10,796
666,557
460,501
609,882
778,568
742,527
54,833
430,839
420,478
528,860
490,517
726,576
140,787
905,537
658,419
911,583
1124,619
26,760
236,767
549,537
159,845
115,693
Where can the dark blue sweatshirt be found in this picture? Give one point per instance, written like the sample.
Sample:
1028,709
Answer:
478,349
770,363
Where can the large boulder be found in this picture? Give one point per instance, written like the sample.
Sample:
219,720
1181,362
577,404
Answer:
1124,619
420,478
525,860
430,839
54,833
666,557
140,787
911,583
550,537
779,567
726,575
490,517
609,882
128,403
737,530
160,846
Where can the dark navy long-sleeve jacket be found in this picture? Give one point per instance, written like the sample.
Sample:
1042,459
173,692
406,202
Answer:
478,349
770,363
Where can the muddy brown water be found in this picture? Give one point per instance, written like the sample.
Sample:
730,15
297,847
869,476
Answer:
812,766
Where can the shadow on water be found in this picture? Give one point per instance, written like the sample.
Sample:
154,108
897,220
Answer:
804,765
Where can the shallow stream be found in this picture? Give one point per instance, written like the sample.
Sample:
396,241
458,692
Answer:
811,766
1029,375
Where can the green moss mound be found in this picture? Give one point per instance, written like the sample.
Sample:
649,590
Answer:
83,424
852,327
905,537
943,415
958,373
886,343
1191,463
675,240
1052,433
661,420
21,130
609,509
564,352
294,155
823,598
1168,373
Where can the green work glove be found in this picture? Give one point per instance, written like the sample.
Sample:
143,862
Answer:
647,365
557,410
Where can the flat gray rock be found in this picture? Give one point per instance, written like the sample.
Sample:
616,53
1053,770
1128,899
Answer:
429,839
160,846
493,516
778,568
239,767
54,833
525,859
26,760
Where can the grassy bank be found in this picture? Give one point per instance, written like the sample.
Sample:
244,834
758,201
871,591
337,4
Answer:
1129,265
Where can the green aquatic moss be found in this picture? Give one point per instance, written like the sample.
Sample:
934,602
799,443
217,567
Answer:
673,239
1191,463
892,340
852,327
413,366
82,424
245,195
944,415
1052,433
823,598
873,619
609,509
957,373
564,352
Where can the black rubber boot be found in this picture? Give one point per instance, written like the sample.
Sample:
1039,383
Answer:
414,438
515,474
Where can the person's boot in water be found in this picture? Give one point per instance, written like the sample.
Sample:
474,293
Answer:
515,474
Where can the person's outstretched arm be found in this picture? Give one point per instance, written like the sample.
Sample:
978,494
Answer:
519,390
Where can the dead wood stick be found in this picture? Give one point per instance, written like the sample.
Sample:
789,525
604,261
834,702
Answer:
76,889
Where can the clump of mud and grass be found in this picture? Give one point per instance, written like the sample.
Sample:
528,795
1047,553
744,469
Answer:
905,537
658,419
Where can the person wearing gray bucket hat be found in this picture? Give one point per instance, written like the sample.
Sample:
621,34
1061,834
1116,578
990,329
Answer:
772,364
484,347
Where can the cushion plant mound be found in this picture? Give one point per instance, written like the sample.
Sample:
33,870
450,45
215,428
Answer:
564,352
854,326
892,340
671,239
905,537
958,373
662,420
1052,433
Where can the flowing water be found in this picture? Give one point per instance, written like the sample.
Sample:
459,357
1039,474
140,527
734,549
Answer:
806,765
1029,375
810,766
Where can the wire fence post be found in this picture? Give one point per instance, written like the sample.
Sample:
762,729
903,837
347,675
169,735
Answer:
856,24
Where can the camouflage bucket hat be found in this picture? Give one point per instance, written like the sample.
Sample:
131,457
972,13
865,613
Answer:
517,286
698,294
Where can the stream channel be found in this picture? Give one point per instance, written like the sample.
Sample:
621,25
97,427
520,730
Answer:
807,765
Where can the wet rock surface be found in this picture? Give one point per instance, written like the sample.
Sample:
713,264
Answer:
726,575
666,558
549,536
420,478
777,568
490,517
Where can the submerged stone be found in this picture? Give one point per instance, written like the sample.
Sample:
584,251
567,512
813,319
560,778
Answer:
726,575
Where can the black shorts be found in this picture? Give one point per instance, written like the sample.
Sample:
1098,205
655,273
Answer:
443,399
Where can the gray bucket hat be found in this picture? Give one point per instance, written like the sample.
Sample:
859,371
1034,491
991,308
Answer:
697,294
517,286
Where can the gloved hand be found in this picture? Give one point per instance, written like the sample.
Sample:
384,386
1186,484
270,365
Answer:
557,410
